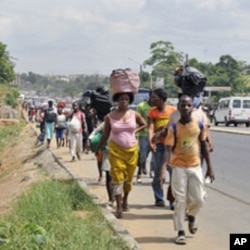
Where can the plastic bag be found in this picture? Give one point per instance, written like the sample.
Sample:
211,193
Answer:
95,141
74,125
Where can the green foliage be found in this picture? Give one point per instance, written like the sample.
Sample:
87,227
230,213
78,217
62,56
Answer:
6,66
226,72
46,218
164,59
59,86
12,97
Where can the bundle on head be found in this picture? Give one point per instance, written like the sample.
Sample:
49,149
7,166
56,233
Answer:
100,101
190,80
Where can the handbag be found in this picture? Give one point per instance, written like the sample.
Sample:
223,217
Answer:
74,125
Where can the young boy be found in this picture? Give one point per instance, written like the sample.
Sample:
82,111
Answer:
183,143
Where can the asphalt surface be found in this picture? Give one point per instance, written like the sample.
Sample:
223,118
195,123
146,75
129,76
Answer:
147,227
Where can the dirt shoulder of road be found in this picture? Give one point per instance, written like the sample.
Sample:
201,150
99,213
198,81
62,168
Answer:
22,165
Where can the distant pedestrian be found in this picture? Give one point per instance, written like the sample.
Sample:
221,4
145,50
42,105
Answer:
76,125
182,153
50,117
60,127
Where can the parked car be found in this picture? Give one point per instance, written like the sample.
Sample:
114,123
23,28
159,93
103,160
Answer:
233,110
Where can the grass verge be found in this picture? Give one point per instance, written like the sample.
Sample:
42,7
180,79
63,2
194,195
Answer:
57,215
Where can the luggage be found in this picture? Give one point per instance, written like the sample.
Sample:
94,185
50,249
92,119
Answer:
124,80
100,101
190,80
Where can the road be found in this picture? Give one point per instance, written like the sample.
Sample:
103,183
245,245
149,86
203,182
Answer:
231,164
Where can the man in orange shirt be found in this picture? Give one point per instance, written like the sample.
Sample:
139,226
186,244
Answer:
158,117
182,153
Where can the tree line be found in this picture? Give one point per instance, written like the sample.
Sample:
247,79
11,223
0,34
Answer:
163,61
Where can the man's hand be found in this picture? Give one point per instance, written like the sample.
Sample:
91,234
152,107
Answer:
152,147
163,176
210,174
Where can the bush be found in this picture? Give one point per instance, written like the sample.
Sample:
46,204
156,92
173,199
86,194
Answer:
11,98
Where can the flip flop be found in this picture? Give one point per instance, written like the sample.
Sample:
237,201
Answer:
118,214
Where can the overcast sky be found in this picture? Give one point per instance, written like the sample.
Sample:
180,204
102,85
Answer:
96,36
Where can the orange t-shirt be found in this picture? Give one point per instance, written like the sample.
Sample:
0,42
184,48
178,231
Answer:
186,144
160,118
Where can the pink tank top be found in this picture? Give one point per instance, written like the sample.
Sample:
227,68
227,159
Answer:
123,133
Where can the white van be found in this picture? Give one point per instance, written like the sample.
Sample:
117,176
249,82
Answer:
233,110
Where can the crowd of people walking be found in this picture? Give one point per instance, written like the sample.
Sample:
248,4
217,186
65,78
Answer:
177,137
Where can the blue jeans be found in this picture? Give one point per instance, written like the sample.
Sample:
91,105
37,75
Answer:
156,184
144,150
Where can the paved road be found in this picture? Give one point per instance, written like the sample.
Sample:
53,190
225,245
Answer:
152,227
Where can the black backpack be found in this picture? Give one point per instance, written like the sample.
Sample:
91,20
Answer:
190,80
50,115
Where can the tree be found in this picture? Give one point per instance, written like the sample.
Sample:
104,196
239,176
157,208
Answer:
164,59
7,73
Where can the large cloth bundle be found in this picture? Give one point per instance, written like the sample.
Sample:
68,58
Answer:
190,80
100,101
124,80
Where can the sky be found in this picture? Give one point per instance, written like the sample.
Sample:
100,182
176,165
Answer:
97,36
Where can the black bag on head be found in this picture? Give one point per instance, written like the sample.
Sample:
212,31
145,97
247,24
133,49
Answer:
190,80
100,101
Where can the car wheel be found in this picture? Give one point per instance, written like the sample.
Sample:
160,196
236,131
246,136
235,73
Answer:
247,124
235,124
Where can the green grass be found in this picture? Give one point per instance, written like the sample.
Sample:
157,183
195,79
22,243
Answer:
9,134
46,218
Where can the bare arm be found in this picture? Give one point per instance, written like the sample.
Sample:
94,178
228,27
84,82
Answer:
206,155
209,141
141,122
166,158
151,133
84,125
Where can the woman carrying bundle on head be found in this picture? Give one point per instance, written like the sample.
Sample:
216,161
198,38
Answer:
120,127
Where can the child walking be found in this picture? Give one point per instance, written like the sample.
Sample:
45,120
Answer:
183,144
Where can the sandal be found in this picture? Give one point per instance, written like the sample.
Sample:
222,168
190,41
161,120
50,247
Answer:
118,214
192,227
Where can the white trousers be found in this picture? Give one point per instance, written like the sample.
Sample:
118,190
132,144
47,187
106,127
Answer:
75,143
188,190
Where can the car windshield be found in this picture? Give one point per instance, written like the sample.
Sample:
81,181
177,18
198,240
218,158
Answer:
140,97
